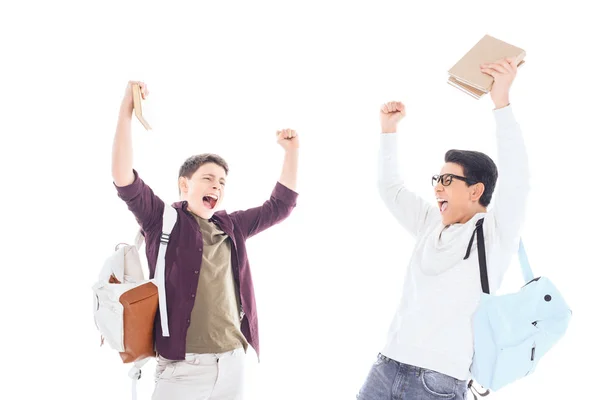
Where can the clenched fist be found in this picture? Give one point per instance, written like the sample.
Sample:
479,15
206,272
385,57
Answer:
390,114
288,139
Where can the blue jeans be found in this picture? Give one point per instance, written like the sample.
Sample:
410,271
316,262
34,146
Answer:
391,380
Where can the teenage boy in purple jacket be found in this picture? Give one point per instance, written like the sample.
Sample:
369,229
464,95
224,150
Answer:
210,297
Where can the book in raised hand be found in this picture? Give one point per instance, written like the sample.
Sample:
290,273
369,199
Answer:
466,74
137,105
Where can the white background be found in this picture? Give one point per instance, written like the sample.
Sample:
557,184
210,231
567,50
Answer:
223,78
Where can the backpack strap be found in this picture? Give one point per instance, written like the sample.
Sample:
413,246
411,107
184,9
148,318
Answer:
525,267
483,275
135,373
169,219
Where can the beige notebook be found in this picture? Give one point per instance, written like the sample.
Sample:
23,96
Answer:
137,105
466,74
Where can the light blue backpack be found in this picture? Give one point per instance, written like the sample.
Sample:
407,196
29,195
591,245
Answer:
513,331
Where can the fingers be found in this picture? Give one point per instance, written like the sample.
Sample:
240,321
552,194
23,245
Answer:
498,67
512,62
490,72
392,107
504,66
286,134
400,107
143,88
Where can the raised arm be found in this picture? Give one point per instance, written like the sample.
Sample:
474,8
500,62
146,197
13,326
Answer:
140,199
409,209
283,198
508,211
288,139
122,151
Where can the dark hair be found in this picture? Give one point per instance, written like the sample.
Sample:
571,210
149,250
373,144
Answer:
191,165
477,167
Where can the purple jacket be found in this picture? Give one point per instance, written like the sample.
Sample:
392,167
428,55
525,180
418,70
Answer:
184,256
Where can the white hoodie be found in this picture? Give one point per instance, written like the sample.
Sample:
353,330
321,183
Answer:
432,326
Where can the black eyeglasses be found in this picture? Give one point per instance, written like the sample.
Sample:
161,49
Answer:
446,179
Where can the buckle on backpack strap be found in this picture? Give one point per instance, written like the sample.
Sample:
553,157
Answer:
475,392
135,373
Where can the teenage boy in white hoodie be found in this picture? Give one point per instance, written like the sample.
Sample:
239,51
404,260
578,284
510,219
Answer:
429,349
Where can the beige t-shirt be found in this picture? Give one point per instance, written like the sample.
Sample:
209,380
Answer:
215,320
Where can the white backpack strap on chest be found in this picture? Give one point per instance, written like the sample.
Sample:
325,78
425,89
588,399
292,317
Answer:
169,219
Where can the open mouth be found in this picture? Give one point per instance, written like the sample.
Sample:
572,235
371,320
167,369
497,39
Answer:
210,201
443,204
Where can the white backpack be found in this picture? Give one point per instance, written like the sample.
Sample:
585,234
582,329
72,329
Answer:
125,303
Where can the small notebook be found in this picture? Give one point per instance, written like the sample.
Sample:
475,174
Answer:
137,105
466,74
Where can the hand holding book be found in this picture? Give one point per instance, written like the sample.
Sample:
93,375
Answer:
467,74
504,72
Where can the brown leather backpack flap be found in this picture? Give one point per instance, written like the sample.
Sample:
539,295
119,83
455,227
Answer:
139,310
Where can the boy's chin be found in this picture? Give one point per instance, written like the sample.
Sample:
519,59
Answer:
207,214
448,221
204,212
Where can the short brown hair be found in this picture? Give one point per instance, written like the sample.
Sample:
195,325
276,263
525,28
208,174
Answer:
191,165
